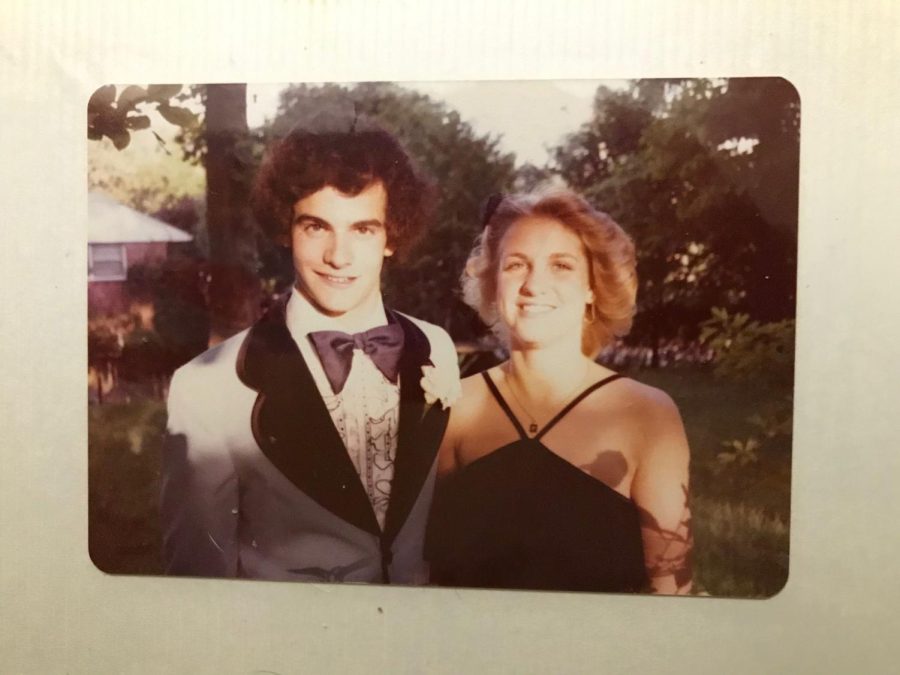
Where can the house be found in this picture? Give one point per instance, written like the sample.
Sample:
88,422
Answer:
119,237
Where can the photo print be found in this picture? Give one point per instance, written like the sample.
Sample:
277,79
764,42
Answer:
531,335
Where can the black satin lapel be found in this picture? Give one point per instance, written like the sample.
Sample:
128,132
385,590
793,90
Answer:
292,426
420,431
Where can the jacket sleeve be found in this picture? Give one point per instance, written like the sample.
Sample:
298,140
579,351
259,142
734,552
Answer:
445,356
199,488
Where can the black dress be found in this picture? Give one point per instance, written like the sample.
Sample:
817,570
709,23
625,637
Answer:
523,517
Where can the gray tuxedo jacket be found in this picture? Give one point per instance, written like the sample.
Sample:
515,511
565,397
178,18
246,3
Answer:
256,481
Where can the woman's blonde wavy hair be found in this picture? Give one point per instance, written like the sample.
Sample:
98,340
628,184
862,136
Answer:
610,253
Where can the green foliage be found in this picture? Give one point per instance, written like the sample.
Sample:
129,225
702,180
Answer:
116,118
750,351
147,175
466,167
103,344
740,452
143,356
181,323
689,168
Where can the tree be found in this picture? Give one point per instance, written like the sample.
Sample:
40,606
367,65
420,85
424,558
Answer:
681,166
234,292
466,167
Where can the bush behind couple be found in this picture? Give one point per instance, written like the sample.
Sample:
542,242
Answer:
329,442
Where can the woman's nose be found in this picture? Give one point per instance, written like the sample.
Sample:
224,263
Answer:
535,281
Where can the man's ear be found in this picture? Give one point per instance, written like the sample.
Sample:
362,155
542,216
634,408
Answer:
388,251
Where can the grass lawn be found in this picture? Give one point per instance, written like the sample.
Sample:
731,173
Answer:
740,514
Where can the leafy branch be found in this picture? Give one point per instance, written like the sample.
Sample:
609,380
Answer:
748,351
117,117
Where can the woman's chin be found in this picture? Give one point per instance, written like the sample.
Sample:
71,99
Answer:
537,339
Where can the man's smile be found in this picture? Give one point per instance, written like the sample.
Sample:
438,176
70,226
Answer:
337,280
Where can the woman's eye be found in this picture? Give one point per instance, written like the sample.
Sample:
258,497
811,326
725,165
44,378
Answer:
563,266
513,265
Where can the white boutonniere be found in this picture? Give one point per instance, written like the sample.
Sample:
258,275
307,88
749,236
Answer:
440,384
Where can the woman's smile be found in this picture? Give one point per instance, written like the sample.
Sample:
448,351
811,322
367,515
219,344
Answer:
535,308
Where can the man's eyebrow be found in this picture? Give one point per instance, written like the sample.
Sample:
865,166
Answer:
300,217
371,222
306,216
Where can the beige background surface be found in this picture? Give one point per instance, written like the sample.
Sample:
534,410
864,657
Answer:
839,611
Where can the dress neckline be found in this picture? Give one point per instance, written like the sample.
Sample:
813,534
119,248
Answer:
540,450
495,392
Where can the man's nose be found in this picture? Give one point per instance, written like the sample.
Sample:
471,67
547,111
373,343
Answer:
338,252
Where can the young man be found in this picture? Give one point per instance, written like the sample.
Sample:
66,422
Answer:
304,447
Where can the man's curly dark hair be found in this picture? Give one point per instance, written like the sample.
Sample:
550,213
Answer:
305,161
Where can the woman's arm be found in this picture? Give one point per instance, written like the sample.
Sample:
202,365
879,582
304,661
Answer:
447,463
660,491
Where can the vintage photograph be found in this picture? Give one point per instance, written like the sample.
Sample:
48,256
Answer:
529,335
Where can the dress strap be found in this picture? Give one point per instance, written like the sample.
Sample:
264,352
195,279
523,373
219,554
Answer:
503,404
575,401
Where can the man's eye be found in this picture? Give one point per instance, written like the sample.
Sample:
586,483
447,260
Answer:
563,266
312,228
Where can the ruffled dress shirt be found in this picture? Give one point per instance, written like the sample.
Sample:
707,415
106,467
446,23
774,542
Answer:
366,411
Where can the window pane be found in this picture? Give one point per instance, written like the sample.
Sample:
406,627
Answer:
104,252
107,262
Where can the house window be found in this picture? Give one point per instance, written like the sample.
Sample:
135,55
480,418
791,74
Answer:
106,262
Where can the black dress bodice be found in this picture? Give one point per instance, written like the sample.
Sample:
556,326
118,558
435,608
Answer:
522,517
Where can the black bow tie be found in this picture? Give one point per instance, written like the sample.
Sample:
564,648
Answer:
383,345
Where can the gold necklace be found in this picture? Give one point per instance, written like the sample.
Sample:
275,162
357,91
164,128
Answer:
533,427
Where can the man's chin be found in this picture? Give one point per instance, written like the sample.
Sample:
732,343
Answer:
332,309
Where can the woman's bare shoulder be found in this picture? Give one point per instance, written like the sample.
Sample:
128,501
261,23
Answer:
465,416
472,392
646,399
655,417
640,405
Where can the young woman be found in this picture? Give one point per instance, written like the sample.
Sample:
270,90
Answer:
555,472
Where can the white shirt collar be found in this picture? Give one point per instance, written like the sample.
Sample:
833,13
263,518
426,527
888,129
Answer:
303,318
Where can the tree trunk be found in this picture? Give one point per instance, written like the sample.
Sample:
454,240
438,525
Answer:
233,287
